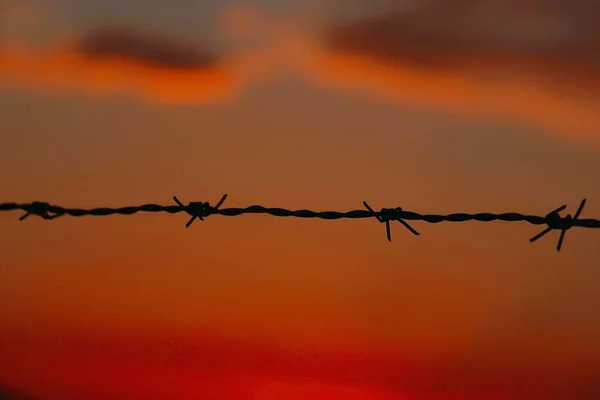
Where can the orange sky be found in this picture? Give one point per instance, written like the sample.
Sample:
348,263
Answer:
257,307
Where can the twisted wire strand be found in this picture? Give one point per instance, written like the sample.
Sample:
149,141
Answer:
201,210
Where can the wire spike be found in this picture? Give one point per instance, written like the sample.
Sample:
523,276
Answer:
390,214
199,209
556,222
579,209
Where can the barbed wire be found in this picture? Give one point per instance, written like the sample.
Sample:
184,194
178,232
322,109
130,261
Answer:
200,210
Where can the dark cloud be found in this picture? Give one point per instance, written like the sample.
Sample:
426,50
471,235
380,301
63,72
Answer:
440,31
124,60
145,48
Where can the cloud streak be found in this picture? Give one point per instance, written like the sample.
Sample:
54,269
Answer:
441,32
533,62
145,49
118,60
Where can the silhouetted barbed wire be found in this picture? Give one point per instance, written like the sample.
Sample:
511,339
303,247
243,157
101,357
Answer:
201,210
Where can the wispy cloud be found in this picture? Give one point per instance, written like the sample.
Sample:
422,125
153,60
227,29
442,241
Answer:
436,33
534,62
151,65
150,49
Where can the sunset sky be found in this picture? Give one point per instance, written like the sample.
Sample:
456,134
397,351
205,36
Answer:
436,106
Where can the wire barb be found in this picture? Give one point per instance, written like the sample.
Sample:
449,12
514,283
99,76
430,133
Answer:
390,214
556,222
40,209
199,209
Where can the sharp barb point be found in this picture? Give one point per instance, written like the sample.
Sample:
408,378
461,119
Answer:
221,201
388,231
178,202
410,228
559,209
579,209
560,240
191,220
540,235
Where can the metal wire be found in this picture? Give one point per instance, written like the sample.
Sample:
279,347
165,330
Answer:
202,210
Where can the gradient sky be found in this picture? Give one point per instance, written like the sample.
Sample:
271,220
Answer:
437,106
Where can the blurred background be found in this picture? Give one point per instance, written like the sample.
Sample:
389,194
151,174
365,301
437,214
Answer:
436,106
